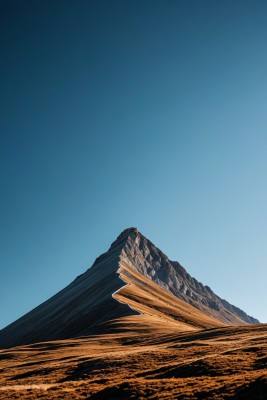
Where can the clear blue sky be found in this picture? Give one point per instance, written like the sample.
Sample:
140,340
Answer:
138,113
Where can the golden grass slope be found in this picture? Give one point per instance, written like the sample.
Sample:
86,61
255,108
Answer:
157,305
210,364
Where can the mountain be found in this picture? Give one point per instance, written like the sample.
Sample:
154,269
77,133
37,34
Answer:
133,286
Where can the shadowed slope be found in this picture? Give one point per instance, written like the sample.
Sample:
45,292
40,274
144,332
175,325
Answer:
75,310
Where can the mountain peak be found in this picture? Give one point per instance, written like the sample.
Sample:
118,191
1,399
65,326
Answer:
127,232
132,278
118,244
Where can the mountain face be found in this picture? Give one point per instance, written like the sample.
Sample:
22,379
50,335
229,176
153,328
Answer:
131,286
146,258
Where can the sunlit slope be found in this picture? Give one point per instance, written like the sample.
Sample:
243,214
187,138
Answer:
158,304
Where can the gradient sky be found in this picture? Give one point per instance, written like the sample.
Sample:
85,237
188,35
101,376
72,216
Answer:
140,113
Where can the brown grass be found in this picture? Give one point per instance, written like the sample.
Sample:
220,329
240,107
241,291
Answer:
220,363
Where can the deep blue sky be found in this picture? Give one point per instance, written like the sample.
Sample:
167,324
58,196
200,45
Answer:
138,113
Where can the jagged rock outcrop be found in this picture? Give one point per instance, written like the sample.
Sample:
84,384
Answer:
159,289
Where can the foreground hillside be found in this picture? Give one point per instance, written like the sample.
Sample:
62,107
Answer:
217,363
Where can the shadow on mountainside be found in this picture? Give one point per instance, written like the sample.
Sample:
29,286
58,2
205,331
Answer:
256,390
121,391
91,368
